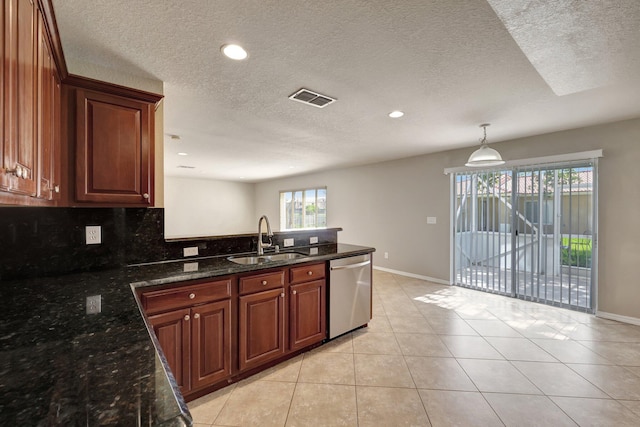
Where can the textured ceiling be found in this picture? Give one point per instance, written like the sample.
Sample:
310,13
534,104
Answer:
527,67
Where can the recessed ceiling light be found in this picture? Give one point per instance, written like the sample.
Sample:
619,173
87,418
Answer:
396,114
182,154
234,51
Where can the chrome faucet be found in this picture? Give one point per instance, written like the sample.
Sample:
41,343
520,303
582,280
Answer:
261,244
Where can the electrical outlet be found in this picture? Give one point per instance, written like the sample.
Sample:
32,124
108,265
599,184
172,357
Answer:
93,234
386,255
94,304
431,220
190,266
313,251
288,242
192,251
313,240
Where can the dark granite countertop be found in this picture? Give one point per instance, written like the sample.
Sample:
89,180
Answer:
61,366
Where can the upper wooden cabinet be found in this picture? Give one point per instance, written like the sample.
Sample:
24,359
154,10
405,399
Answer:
67,140
20,146
30,162
114,149
49,148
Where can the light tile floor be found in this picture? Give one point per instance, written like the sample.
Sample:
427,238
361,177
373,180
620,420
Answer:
443,356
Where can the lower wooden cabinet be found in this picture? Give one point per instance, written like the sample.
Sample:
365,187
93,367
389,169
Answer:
307,314
210,343
193,326
216,332
307,305
173,331
196,343
261,328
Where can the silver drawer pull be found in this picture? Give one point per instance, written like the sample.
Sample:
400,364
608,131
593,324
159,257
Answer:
192,296
310,273
295,292
264,282
186,317
196,316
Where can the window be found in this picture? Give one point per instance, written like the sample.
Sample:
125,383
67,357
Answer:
303,208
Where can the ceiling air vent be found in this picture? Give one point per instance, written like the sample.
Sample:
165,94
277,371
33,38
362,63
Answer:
309,97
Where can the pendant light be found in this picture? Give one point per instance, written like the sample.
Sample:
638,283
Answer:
484,156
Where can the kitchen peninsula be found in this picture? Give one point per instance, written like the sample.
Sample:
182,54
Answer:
62,366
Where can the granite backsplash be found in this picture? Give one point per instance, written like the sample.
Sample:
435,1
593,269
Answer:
41,242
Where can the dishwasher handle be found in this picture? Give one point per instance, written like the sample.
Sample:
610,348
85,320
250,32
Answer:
349,266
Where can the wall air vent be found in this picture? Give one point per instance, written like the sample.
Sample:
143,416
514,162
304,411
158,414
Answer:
185,167
310,97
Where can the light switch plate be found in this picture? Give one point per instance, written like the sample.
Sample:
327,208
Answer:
192,251
313,240
431,220
93,234
288,242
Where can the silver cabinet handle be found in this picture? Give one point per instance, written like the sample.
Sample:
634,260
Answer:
196,316
186,317
282,295
56,189
348,266
145,196
295,292
192,296
264,282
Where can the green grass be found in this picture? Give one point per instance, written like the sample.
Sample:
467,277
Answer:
576,251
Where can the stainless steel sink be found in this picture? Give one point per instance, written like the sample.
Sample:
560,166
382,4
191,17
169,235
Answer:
284,256
252,260
247,259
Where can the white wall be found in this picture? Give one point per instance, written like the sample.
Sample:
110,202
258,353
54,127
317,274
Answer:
203,207
386,206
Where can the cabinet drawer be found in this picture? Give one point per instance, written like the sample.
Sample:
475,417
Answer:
261,282
307,272
184,296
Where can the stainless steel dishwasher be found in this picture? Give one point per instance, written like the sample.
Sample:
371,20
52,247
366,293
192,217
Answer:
349,294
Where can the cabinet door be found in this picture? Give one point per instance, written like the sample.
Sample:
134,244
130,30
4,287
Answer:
211,343
307,314
172,330
4,94
19,158
48,127
261,328
114,151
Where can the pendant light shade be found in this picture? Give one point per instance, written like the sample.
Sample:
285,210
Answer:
484,156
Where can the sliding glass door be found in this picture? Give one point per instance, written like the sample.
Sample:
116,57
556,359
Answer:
527,232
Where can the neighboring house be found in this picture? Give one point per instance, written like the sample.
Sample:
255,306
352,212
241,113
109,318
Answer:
493,194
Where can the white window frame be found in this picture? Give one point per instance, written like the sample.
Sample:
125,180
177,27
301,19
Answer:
305,217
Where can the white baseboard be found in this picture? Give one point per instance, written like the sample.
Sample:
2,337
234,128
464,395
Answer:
415,276
618,317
